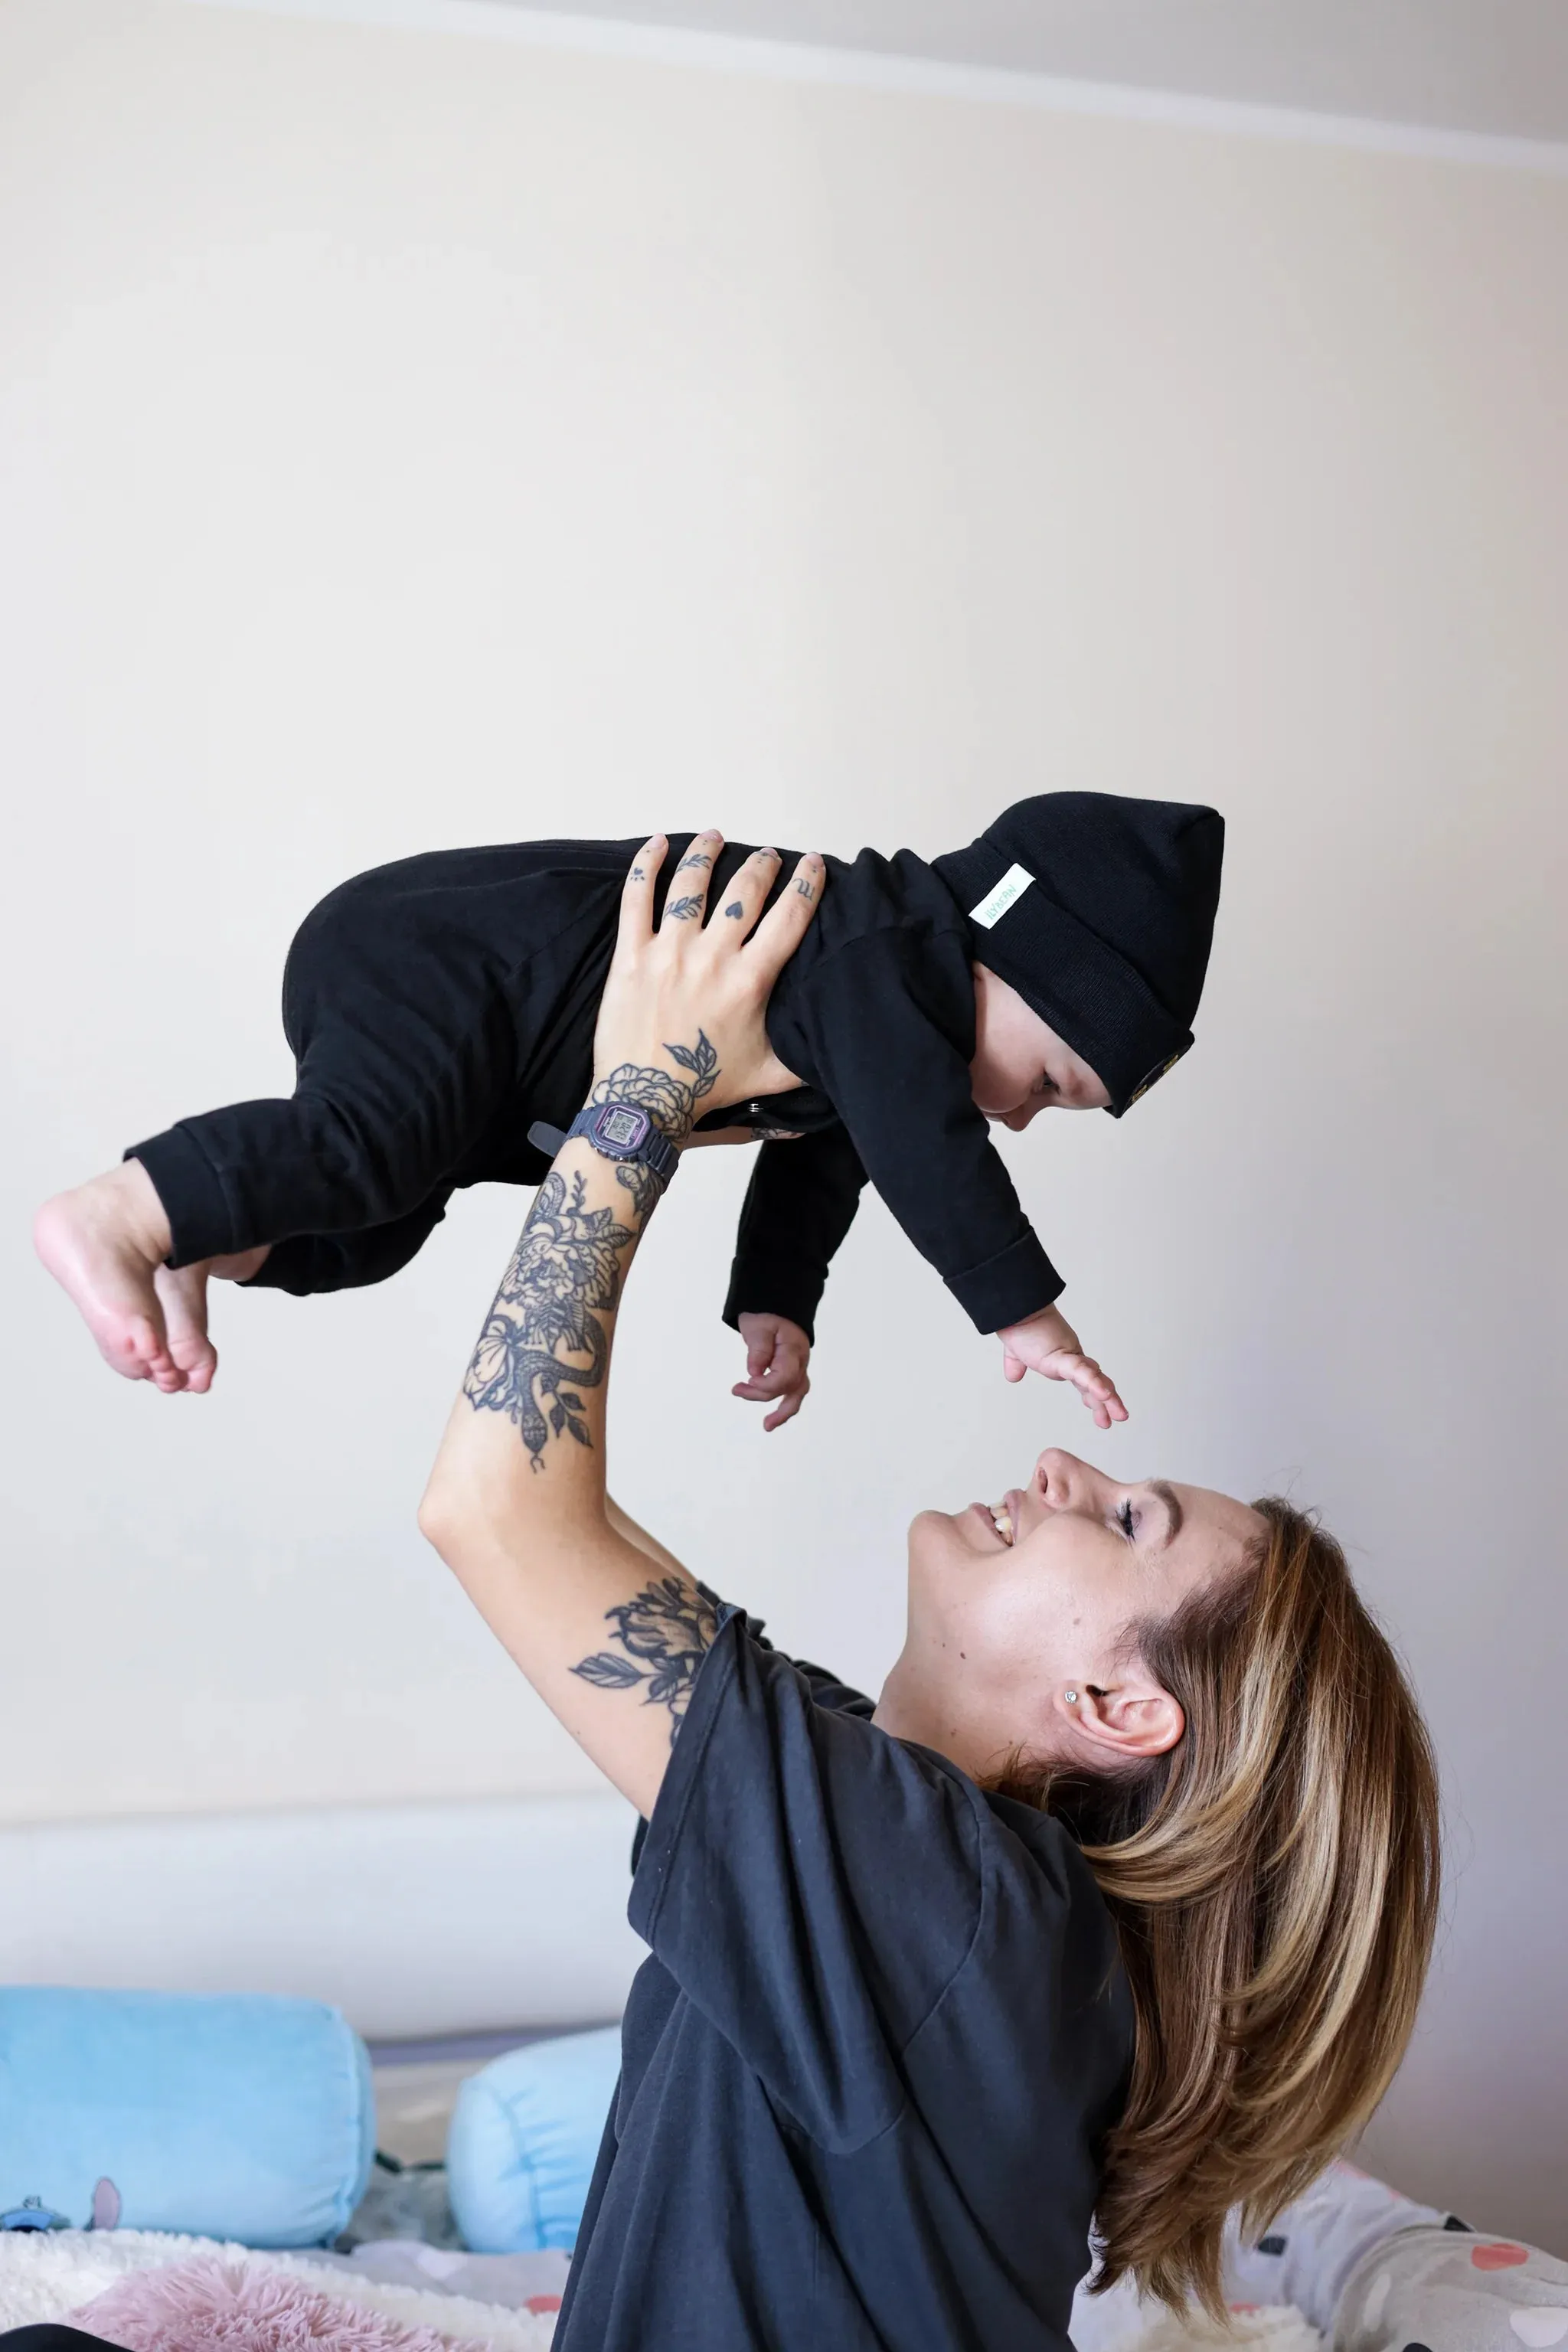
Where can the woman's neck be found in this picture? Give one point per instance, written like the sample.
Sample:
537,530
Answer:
915,1704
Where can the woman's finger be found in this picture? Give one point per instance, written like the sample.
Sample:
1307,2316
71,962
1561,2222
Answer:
689,883
786,922
636,891
746,894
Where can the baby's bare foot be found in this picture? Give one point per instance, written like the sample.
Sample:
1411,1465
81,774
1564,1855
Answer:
103,1243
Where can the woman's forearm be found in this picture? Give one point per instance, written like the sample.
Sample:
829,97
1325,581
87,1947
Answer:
526,1436
587,1602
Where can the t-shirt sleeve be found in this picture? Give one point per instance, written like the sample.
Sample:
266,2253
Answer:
779,1879
878,1022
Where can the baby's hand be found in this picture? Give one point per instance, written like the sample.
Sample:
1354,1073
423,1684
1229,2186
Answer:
1048,1343
777,1353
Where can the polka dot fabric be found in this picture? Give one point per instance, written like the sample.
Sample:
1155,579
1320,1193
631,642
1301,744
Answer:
1437,2290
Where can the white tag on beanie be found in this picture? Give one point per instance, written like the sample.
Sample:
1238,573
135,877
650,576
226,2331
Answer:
992,907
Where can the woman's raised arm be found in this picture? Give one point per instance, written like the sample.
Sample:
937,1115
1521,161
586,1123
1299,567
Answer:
609,1636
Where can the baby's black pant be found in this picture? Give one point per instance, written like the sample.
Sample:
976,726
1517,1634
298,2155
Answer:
407,1058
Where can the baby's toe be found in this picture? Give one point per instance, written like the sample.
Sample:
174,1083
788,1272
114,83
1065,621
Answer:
198,1361
182,1292
140,1346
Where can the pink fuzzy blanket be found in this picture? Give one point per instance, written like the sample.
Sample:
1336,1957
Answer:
210,2306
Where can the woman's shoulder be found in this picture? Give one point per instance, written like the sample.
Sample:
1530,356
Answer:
827,1690
1043,1958
1029,1863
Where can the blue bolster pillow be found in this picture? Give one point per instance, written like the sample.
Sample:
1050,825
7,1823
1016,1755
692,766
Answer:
524,2140
243,2117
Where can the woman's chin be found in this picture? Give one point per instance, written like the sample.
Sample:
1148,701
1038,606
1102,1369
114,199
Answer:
947,1539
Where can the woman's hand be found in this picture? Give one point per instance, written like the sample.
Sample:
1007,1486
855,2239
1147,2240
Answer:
680,1027
777,1353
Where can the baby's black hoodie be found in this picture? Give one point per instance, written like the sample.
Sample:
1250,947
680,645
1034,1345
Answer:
439,1006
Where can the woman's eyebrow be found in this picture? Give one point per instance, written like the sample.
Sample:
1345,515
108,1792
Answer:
1167,1494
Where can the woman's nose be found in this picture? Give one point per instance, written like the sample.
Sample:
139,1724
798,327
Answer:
1061,1478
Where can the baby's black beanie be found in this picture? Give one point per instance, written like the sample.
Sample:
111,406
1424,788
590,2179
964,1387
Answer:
1099,911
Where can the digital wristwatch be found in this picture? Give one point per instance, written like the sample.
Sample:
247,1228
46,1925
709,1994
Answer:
620,1131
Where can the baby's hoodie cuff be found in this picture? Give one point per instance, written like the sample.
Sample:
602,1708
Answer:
774,1285
1015,1283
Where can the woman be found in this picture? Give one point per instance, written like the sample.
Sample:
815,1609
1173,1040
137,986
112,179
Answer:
1114,1907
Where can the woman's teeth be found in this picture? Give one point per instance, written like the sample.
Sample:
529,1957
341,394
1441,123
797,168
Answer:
1004,1519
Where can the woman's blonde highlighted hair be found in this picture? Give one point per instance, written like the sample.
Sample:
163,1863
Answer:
1274,1883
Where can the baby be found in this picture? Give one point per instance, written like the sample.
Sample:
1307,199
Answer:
440,1008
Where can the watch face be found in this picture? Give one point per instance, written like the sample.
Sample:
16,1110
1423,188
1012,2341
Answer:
623,1128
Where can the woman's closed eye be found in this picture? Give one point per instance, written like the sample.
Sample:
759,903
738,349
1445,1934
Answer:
1159,1534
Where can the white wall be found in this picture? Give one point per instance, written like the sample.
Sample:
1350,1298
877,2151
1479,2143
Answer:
410,441
417,1919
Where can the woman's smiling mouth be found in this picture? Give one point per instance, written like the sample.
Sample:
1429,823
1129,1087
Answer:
998,1517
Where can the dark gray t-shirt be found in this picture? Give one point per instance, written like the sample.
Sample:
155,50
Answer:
866,2070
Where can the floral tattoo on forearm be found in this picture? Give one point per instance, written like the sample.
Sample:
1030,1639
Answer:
567,1267
666,1632
566,1263
669,1100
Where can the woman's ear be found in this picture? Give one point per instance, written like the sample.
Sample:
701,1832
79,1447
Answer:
1135,1719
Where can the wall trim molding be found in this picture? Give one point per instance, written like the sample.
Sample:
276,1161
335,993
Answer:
495,20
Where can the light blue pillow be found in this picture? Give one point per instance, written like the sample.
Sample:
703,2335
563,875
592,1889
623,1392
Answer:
525,2134
243,2117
